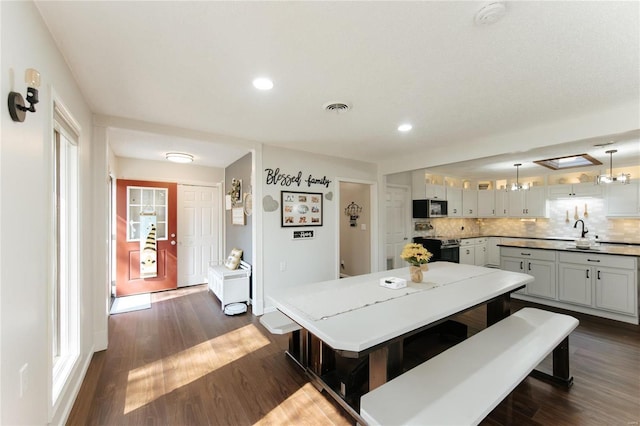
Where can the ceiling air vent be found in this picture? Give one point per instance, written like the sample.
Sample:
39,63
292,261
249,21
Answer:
490,13
336,107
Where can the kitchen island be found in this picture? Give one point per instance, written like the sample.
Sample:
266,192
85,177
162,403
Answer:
600,281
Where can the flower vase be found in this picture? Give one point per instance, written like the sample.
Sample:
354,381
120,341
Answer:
416,273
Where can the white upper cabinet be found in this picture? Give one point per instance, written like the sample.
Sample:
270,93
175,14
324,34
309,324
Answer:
502,203
425,185
454,202
528,203
470,203
623,200
435,192
575,190
487,203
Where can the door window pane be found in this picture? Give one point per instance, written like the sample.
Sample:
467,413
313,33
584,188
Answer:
146,200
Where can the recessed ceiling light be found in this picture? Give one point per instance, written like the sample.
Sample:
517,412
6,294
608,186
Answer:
405,127
263,83
179,157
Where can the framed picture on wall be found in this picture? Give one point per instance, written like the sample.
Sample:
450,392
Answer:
301,208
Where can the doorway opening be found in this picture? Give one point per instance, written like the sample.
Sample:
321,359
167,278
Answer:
355,211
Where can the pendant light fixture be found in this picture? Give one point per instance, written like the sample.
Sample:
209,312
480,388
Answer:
517,186
623,178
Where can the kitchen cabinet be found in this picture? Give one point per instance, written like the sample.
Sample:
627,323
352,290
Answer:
604,282
502,203
454,202
531,202
623,200
435,192
473,251
421,190
487,203
470,203
541,264
493,251
574,190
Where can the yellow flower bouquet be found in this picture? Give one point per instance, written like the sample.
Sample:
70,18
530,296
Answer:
415,254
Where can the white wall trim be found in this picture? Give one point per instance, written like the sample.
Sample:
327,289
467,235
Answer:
64,410
257,234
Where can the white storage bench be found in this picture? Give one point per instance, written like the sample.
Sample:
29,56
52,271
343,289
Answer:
230,285
463,384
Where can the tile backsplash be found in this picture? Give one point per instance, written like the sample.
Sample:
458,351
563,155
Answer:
556,226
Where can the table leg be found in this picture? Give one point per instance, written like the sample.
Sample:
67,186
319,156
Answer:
498,309
385,363
321,356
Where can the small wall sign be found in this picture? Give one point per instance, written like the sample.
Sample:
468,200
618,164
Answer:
237,216
302,235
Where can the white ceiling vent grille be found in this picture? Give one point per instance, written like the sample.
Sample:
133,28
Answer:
336,107
490,13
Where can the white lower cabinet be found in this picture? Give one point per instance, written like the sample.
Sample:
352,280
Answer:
597,284
615,290
541,264
600,281
576,285
473,251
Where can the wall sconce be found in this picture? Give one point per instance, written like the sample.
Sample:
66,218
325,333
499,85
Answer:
17,108
352,210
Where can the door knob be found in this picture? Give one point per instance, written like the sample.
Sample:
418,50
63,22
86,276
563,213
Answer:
173,243
173,235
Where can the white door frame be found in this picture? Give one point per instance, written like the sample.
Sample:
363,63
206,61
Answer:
374,235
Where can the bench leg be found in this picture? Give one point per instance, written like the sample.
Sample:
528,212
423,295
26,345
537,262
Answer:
561,375
561,363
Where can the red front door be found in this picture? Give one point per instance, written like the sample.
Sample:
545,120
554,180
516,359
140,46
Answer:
132,198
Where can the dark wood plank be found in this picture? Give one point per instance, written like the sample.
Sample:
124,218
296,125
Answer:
193,365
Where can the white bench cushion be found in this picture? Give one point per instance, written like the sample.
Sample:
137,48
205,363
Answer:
278,323
463,384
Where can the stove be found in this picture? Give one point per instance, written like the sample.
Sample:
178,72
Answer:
444,249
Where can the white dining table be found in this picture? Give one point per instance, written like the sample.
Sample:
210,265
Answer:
356,316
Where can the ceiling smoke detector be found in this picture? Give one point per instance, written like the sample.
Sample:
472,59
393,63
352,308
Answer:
490,13
337,107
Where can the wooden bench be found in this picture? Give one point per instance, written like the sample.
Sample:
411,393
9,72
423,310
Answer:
463,384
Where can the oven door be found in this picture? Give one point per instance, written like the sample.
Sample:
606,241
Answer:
430,244
450,254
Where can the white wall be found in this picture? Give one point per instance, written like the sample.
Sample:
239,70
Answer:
306,260
165,171
25,212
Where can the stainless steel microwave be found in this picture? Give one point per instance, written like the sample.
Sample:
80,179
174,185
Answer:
429,208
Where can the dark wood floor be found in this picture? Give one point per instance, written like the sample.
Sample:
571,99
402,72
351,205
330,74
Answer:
184,362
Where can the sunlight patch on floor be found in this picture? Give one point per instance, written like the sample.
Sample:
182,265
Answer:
151,381
292,409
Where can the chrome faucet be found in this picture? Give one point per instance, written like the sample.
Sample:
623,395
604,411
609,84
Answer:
584,231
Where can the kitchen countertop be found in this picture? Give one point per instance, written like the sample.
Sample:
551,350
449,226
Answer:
563,245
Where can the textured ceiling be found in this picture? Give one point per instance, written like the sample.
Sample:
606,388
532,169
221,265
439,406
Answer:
190,65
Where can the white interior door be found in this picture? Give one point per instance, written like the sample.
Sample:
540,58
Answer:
199,236
398,224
